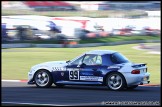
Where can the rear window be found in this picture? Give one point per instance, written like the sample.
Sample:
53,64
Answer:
118,58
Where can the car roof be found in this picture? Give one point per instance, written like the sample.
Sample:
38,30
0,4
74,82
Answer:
100,52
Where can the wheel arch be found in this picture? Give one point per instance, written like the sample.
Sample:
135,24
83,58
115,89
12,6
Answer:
41,70
108,73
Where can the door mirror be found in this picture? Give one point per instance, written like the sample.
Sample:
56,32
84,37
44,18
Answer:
68,61
81,65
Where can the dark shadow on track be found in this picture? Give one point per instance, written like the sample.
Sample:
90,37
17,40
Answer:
96,88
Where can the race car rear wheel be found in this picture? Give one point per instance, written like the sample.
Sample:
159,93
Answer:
43,79
115,81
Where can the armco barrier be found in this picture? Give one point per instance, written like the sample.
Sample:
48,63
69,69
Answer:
17,45
25,45
49,45
112,43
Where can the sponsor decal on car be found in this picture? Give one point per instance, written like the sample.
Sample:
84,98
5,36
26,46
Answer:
91,78
110,67
62,73
58,68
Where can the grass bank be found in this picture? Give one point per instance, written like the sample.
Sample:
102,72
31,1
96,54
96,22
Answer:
94,14
119,38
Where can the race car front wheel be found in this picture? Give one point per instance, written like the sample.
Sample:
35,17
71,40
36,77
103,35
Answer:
43,79
115,81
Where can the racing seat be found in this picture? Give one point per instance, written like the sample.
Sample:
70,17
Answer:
98,62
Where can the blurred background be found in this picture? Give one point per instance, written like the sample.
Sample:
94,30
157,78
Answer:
63,22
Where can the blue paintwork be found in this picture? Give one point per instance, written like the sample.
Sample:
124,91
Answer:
88,70
79,82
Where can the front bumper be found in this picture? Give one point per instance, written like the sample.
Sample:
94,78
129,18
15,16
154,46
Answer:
30,78
31,82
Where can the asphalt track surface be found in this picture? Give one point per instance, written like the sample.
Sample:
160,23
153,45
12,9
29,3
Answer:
156,48
19,93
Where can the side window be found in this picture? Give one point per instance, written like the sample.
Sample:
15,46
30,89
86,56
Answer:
87,60
92,60
113,59
98,60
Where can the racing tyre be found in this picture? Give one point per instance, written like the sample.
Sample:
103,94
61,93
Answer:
43,79
115,81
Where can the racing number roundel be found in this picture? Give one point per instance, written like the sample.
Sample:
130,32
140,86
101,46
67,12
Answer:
74,75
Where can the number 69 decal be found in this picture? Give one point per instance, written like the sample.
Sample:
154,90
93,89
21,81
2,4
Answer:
74,75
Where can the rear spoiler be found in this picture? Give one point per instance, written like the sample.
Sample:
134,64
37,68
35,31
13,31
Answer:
138,65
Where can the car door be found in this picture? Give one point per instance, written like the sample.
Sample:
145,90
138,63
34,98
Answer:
85,69
73,69
91,69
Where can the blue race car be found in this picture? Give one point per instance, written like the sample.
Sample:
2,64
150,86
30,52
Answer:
98,67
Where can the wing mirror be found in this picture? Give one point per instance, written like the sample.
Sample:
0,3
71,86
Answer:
81,65
68,61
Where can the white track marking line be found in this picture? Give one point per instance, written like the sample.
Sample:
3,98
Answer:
14,80
31,103
77,104
153,52
11,80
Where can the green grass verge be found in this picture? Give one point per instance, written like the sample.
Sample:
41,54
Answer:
16,62
104,13
119,38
